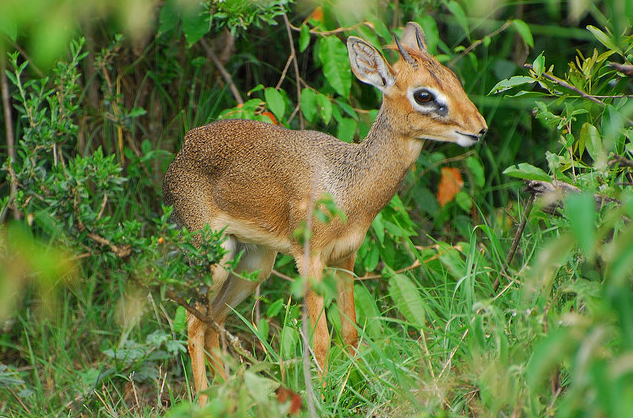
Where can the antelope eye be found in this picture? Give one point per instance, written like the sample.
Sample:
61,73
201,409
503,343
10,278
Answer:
423,97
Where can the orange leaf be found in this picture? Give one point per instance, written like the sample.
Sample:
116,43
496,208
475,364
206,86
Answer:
317,14
284,395
272,117
450,183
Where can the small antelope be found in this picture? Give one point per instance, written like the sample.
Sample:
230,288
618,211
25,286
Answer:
256,181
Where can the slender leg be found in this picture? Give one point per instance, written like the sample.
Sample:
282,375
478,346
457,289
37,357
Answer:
233,291
316,311
346,306
196,334
200,334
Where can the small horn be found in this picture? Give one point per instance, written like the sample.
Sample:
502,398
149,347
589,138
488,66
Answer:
405,55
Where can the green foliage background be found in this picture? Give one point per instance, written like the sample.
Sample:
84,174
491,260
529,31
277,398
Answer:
454,318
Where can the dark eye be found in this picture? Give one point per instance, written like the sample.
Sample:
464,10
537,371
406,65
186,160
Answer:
423,97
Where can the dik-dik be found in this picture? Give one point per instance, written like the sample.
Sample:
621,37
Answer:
257,181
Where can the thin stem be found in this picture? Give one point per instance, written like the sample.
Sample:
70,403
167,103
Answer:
296,67
225,74
10,136
515,241
305,330
478,42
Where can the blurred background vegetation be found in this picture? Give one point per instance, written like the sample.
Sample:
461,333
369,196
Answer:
473,297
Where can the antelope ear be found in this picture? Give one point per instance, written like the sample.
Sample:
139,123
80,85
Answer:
369,65
413,37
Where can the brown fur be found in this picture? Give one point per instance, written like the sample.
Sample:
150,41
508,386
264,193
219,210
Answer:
257,180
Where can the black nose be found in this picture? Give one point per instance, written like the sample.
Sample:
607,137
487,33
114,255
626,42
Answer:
482,132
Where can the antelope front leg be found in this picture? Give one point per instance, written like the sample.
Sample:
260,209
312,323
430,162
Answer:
316,311
346,306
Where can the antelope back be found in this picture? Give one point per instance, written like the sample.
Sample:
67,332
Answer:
422,98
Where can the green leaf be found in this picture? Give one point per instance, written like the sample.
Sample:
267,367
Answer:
476,170
590,136
304,38
289,340
9,27
275,102
527,171
373,257
431,32
459,15
325,107
603,38
195,25
538,65
464,201
368,313
507,84
407,299
309,105
180,319
547,354
524,30
378,225
580,210
333,56
347,129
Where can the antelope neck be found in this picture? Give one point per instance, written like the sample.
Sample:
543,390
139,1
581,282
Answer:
380,164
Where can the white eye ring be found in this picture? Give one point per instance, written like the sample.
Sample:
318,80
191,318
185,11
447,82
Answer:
435,104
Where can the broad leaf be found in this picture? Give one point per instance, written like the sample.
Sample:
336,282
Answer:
304,38
590,137
325,107
407,299
309,105
275,102
504,85
524,30
580,210
333,56
527,172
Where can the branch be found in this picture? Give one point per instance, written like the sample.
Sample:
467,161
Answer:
8,123
334,31
515,241
296,67
233,340
120,251
225,74
475,44
566,85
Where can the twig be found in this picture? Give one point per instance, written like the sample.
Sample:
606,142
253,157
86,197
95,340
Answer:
192,310
450,357
334,31
283,276
306,287
233,340
8,124
225,74
415,264
24,54
120,251
283,73
15,395
296,68
568,86
625,69
478,42
515,241
623,161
